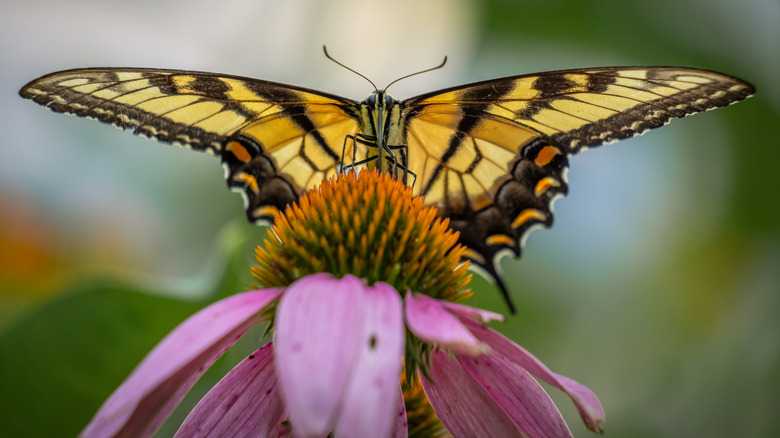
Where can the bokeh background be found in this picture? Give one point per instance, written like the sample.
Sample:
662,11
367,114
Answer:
658,286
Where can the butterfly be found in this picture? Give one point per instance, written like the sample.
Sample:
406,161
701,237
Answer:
491,156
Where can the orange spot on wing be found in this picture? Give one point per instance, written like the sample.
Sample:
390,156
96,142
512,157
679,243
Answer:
249,180
527,215
544,184
266,211
546,155
500,239
239,151
473,255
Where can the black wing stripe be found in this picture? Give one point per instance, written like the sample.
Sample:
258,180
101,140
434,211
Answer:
298,114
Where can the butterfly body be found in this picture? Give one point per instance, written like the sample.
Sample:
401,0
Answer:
381,138
491,155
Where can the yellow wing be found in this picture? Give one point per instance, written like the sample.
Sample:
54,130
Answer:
275,140
492,155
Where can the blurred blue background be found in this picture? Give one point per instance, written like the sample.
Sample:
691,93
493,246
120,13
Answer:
658,287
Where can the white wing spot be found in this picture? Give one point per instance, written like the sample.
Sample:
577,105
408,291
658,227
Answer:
36,91
528,231
213,148
73,82
150,130
654,115
124,118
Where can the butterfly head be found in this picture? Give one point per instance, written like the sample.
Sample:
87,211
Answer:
380,113
379,102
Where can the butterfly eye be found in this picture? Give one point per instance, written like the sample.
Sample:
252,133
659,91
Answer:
389,101
371,101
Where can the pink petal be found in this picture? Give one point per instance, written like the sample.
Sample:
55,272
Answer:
588,405
469,312
245,403
370,399
463,407
400,425
518,394
319,337
429,320
140,405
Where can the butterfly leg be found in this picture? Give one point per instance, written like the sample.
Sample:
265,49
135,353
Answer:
391,158
370,142
404,153
355,141
342,169
364,140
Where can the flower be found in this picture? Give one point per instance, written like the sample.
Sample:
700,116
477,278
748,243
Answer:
363,286
486,389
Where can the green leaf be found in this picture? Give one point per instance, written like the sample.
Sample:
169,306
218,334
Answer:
58,365
61,363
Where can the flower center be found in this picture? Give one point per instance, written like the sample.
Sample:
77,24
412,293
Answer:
368,225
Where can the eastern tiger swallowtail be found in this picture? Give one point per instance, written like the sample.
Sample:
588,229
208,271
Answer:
490,155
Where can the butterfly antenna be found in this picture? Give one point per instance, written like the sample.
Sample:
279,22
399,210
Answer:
417,73
325,49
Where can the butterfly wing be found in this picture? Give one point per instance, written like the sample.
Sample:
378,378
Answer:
492,155
275,140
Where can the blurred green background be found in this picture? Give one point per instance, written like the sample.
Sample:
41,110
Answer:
658,287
